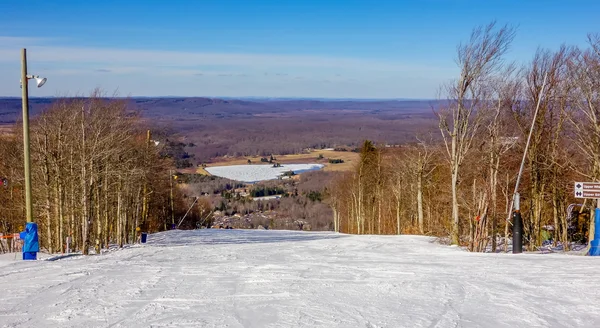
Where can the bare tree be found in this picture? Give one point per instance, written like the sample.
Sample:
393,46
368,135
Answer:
546,72
505,94
585,73
459,122
91,164
420,163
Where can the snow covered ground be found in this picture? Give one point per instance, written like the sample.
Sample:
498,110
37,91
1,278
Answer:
255,278
258,172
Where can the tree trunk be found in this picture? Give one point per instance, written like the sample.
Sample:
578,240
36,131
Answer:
72,232
119,214
555,205
145,194
335,219
106,210
455,223
564,230
97,205
398,216
592,225
171,198
59,206
538,203
495,165
420,201
48,191
471,235
85,209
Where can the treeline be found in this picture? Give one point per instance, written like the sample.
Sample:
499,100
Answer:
462,186
301,200
263,191
176,152
262,135
96,176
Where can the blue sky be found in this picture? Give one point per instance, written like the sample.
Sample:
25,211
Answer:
309,48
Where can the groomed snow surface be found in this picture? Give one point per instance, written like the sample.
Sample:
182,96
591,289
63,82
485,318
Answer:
255,278
258,172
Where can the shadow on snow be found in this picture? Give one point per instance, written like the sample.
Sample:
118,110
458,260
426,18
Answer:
234,236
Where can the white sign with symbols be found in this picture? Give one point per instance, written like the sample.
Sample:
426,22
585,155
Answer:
587,190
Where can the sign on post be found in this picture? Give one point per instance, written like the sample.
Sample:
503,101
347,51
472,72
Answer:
587,190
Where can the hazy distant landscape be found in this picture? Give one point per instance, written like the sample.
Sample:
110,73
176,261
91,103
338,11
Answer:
217,127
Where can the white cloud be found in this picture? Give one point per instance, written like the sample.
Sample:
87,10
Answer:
17,41
64,54
187,73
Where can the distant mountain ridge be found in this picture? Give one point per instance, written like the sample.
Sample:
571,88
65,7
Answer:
10,107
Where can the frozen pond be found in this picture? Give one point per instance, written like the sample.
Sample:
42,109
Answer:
258,172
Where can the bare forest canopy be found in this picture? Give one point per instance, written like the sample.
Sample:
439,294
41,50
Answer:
462,186
217,127
96,177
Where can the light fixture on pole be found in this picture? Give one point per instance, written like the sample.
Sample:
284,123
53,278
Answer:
39,80
30,235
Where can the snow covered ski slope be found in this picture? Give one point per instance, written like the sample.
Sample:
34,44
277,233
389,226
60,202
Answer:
235,278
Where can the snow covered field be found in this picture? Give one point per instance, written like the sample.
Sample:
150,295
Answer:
236,278
258,172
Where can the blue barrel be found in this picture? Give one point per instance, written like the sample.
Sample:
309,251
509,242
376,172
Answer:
144,237
31,243
29,256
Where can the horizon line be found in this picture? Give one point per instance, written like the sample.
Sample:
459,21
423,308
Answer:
235,98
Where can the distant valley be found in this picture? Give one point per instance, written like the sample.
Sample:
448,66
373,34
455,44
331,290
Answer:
213,127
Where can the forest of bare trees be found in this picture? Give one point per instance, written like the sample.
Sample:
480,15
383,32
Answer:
96,177
462,186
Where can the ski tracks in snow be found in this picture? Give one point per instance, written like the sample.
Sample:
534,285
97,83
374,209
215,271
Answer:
233,278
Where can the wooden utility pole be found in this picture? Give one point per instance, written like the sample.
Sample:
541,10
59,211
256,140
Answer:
26,156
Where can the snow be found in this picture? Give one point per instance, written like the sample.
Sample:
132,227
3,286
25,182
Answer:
257,172
10,258
258,278
266,198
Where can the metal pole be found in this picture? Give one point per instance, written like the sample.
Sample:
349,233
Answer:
517,228
537,107
186,213
26,156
